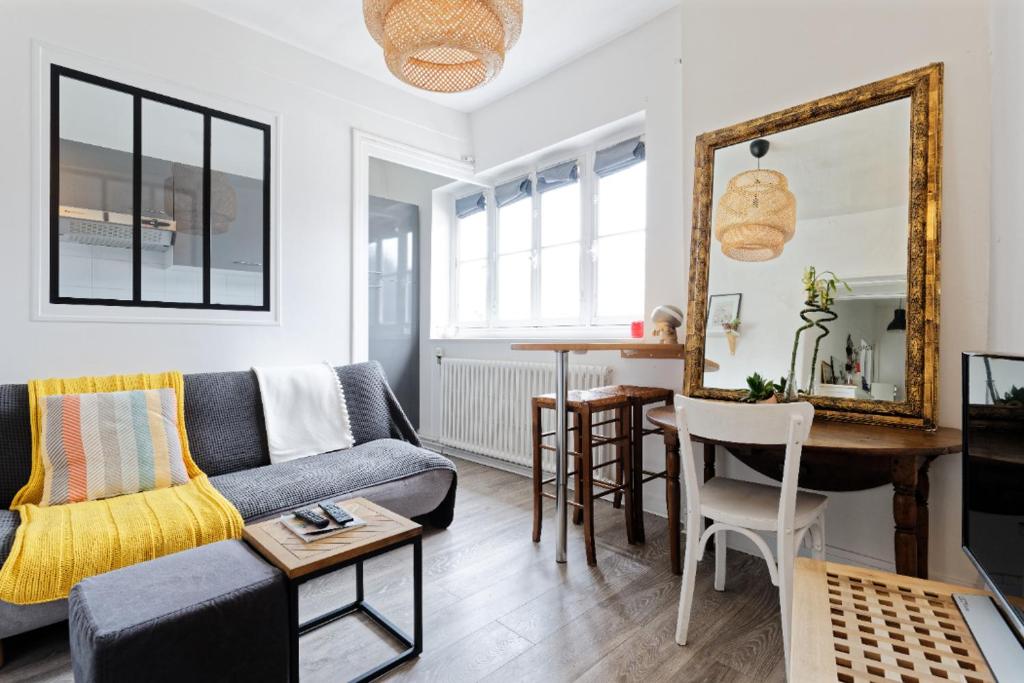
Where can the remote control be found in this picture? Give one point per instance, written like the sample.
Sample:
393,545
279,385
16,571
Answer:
314,518
336,513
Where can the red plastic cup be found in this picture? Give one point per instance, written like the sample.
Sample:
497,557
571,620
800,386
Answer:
636,329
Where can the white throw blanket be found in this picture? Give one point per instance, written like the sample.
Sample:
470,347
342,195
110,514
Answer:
304,411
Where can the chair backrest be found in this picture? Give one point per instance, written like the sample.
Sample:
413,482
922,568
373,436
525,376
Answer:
765,424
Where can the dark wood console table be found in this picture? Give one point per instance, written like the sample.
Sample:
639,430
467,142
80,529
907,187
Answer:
841,456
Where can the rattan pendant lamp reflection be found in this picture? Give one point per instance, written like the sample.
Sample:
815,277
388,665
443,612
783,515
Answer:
444,45
757,214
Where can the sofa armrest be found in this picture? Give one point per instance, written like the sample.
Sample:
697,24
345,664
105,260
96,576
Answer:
373,409
399,420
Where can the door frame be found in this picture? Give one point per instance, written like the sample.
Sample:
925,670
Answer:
364,147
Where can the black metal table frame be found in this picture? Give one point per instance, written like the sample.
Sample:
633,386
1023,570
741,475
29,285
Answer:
414,645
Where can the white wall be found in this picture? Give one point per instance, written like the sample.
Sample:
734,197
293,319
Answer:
637,72
799,50
1006,325
168,45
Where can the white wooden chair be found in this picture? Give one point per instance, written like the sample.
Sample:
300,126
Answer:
746,507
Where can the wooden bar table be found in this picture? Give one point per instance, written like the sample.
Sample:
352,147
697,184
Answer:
845,456
628,349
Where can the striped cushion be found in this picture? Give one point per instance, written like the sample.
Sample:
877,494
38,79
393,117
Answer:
108,444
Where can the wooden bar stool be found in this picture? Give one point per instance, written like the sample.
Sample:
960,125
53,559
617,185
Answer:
583,406
639,399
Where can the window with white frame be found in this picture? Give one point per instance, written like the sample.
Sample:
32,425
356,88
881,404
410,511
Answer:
561,245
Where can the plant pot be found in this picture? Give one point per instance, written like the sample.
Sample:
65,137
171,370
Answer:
791,393
731,337
770,399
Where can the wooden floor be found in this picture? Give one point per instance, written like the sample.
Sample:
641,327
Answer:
498,608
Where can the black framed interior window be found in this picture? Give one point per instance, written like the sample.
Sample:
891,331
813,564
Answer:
155,201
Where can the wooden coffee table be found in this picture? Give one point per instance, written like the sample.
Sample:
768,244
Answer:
301,562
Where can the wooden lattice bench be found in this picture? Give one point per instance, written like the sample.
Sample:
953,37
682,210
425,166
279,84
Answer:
854,624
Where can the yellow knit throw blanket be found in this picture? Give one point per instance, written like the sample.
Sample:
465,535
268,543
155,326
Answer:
57,546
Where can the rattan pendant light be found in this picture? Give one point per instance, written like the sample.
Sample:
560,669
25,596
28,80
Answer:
757,214
444,45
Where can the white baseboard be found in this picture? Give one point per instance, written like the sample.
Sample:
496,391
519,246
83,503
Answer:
832,553
487,460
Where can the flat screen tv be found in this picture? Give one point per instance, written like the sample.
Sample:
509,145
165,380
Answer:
993,477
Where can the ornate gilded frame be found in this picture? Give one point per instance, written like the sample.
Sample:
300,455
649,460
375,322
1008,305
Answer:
924,88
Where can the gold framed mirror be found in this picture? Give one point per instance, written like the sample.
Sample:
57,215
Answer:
849,184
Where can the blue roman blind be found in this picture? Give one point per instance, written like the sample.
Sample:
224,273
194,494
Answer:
512,191
467,206
619,157
558,176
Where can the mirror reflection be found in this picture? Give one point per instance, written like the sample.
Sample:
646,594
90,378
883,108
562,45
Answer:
831,196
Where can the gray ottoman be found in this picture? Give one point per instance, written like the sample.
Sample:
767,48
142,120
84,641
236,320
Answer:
214,613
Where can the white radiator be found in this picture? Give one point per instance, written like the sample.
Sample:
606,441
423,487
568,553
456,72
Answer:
485,404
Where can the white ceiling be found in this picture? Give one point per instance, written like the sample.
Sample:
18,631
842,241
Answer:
844,165
554,32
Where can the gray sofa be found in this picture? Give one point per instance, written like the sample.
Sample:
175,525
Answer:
224,418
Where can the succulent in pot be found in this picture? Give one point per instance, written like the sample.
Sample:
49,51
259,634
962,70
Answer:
761,390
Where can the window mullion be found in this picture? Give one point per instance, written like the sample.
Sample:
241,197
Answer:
588,196
453,269
492,258
535,200
137,198
207,235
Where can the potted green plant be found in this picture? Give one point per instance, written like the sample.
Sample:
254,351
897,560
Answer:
761,390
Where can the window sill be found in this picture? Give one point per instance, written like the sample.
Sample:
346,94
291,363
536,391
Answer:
510,334
44,311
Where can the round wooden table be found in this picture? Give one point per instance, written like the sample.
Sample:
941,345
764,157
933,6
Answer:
839,456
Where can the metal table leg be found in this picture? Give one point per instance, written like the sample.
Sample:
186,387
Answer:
561,454
413,644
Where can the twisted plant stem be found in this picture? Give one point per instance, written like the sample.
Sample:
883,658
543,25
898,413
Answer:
820,324
791,389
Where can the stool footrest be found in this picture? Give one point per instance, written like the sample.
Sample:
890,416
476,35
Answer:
548,447
606,440
651,476
546,435
551,480
595,442
608,490
551,496
605,486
